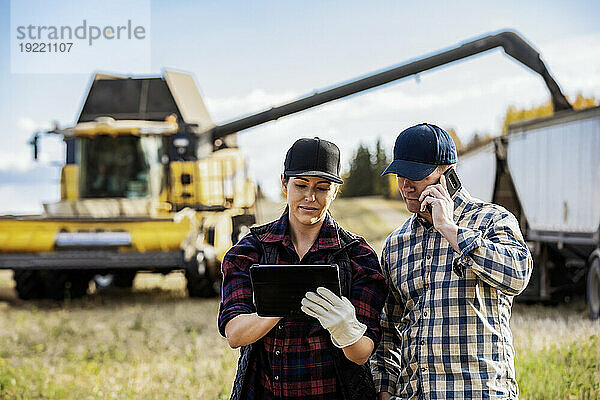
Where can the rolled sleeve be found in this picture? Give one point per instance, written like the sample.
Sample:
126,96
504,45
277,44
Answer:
236,298
499,256
468,239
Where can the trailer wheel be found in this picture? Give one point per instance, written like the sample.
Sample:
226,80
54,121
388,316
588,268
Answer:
28,285
593,289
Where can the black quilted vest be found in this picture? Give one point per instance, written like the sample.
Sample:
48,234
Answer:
355,381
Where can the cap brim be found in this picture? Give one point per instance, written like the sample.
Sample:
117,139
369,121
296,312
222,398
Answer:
320,174
415,171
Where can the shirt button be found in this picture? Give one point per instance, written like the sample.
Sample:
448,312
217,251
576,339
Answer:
428,257
276,377
280,327
425,314
422,369
277,353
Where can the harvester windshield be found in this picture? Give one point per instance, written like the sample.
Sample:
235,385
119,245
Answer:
125,166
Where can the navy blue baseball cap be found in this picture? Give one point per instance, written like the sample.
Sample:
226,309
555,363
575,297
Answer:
419,150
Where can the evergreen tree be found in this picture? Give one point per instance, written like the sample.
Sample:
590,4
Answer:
360,180
382,186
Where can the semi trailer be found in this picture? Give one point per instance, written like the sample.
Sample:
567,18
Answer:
546,171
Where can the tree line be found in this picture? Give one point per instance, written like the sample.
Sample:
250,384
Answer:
364,175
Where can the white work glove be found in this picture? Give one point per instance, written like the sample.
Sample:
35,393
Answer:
335,314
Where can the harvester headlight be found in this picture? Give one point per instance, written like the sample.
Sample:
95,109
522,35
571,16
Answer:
181,142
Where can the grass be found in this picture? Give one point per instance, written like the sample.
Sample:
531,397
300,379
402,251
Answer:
568,372
26,382
557,351
156,343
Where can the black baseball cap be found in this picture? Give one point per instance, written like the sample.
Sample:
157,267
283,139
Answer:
419,150
313,157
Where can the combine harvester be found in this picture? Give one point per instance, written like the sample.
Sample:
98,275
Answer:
143,188
150,183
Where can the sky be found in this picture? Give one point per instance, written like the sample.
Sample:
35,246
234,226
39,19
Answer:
246,57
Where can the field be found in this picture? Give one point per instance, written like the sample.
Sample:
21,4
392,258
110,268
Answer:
155,343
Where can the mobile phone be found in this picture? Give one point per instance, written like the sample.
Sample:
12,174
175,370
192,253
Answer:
452,182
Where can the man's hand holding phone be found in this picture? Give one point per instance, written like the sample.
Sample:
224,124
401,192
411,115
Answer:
441,207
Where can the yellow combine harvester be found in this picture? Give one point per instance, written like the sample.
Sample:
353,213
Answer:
139,190
150,183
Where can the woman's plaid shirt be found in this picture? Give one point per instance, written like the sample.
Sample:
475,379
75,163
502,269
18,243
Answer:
446,332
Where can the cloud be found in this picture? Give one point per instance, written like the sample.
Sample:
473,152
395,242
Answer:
258,99
16,154
37,174
27,199
30,125
575,62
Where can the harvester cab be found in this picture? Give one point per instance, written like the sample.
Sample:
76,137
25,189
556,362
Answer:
117,160
146,138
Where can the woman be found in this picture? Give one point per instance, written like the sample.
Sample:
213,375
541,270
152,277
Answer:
320,358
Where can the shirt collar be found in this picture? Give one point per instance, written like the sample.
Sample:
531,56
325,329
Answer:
278,230
328,235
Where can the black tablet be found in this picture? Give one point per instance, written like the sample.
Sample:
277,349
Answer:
278,289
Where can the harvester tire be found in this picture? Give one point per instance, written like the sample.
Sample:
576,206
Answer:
124,279
593,289
54,284
59,285
28,285
198,286
78,284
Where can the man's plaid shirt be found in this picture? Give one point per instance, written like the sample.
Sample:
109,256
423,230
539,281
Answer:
294,360
446,332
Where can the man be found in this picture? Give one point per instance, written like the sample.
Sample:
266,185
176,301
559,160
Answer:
453,270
